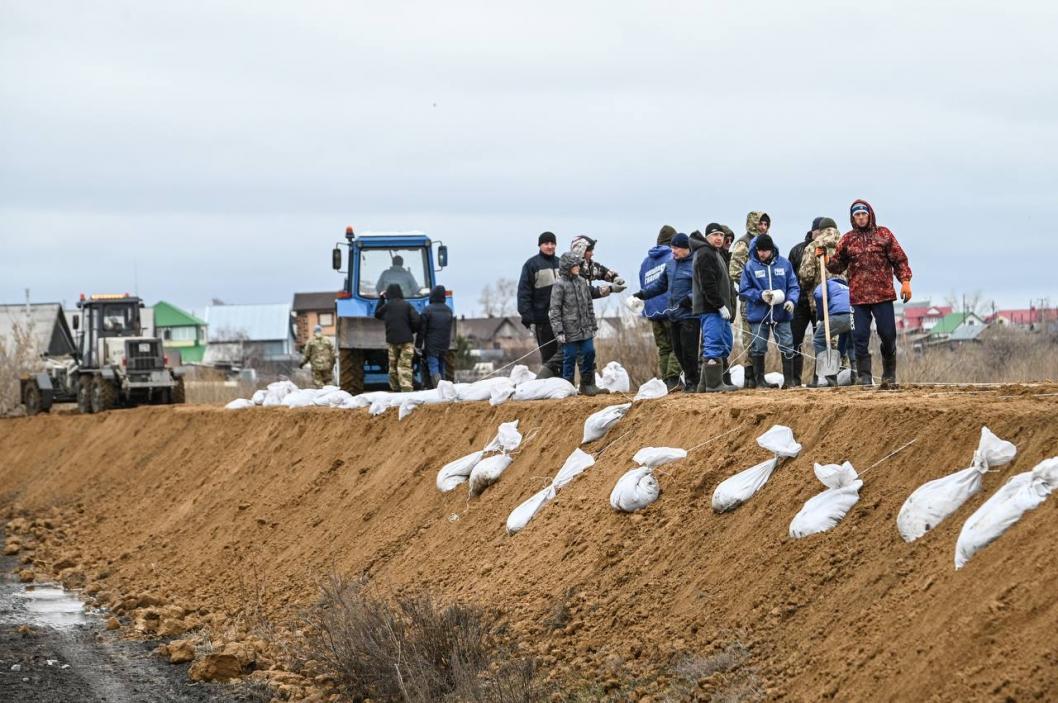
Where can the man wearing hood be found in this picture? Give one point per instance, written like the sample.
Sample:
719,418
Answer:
583,247
534,300
826,237
714,300
802,316
435,334
873,257
675,285
757,223
770,292
652,268
402,322
573,319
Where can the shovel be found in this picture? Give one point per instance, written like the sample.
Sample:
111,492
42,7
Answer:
830,363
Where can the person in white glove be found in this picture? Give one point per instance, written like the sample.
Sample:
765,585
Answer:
770,291
713,301
583,247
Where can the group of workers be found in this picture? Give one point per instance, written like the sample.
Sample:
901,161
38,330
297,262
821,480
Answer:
694,287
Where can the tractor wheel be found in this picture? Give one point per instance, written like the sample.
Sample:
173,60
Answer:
84,394
351,370
177,396
31,398
104,396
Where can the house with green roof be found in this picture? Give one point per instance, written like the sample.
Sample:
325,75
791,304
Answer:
956,324
183,335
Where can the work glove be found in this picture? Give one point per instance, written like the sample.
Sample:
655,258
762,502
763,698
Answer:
766,297
788,306
619,281
560,338
725,313
638,294
618,285
605,291
685,303
905,291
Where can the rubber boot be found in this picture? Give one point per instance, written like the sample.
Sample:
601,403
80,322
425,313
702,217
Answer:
889,373
545,372
727,374
798,369
750,376
789,374
673,385
863,370
713,378
590,389
758,371
435,379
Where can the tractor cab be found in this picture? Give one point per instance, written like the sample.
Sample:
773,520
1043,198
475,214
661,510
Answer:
106,320
374,262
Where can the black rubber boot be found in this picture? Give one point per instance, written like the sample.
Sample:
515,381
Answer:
545,372
889,373
727,375
863,369
751,378
672,384
713,378
832,381
790,377
590,389
798,369
758,371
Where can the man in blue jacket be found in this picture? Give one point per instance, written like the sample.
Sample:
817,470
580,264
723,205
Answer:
684,326
770,292
652,268
840,311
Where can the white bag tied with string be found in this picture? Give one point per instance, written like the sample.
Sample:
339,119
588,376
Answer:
488,472
545,389
599,423
576,464
614,378
934,501
654,388
407,407
738,375
521,374
239,404
653,457
825,510
481,390
736,490
507,438
300,398
456,472
500,395
258,397
635,490
1022,493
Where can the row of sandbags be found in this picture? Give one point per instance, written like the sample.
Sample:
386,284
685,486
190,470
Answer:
483,468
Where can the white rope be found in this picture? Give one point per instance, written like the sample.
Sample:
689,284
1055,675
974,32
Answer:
888,456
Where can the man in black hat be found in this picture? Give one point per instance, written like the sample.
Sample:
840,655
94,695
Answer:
534,301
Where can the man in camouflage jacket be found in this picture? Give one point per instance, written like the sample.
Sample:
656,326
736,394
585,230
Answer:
319,352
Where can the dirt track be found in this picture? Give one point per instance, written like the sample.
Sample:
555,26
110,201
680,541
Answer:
242,512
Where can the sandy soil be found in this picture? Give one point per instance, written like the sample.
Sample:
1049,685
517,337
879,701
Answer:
237,515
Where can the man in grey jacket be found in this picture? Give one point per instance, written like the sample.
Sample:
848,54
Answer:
572,317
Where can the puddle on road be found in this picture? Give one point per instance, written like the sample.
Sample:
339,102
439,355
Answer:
52,606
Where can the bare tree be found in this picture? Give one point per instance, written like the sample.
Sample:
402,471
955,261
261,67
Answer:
499,298
974,302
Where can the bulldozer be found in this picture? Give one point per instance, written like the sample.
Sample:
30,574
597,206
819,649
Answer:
113,365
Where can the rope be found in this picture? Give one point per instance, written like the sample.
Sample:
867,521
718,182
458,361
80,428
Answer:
888,456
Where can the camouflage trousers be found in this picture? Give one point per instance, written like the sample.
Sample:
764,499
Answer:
400,372
668,364
322,377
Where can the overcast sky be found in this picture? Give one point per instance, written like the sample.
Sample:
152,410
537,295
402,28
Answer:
196,150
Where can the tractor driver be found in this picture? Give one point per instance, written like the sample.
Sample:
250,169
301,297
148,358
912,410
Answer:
399,275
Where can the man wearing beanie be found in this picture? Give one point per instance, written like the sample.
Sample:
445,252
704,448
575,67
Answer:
714,301
652,268
539,274
802,316
677,282
757,223
770,292
873,257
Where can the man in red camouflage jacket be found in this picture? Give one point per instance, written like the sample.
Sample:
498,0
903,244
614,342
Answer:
873,257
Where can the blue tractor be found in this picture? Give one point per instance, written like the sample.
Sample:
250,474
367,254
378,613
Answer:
374,261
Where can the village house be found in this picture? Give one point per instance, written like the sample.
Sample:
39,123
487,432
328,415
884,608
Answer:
311,309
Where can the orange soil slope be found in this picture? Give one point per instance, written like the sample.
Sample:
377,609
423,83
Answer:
191,501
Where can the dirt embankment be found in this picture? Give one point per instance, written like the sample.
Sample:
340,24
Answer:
242,512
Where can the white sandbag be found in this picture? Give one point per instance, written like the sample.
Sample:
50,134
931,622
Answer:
507,438
576,463
447,391
779,440
239,404
634,304
545,389
635,490
481,390
845,377
300,398
407,407
654,388
654,457
258,397
501,395
932,502
822,512
378,407
738,376
1022,493
331,398
280,389
456,472
599,423
614,378
521,374
487,472
736,490
774,377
